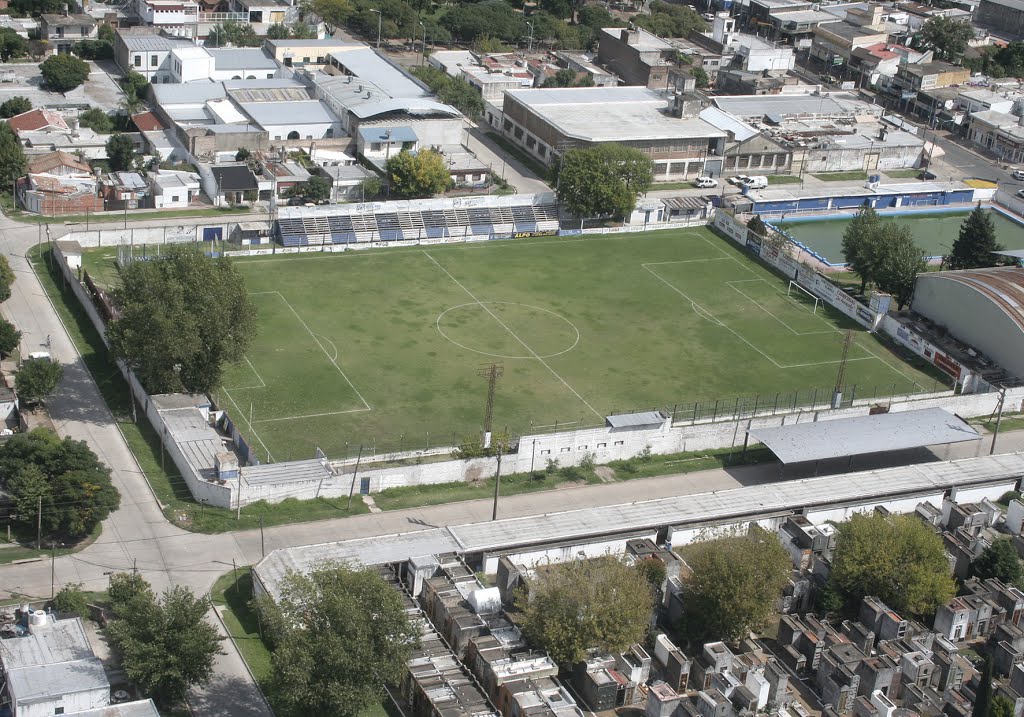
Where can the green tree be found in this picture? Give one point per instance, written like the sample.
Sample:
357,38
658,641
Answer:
1002,706
106,32
654,570
557,8
14,106
302,31
596,17
10,337
70,600
983,697
603,180
734,585
242,154
232,33
668,20
571,607
11,45
277,31
166,644
37,379
562,78
488,24
124,588
974,246
756,224
370,188
63,73
12,164
860,244
35,8
456,92
74,486
339,634
318,188
422,174
97,120
183,319
899,262
334,13
94,49
897,558
135,84
120,152
948,38
999,560
700,77
6,278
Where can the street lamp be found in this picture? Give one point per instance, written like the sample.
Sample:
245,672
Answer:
529,39
423,47
380,20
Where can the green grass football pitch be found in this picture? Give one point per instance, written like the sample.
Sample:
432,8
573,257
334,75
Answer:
383,348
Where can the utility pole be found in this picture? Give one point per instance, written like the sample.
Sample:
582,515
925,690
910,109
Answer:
837,394
492,372
39,524
263,545
999,419
380,19
352,488
497,476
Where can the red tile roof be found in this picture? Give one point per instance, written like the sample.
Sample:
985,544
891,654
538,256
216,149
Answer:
36,119
49,162
147,122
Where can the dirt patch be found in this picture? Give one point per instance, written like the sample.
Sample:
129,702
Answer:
570,484
605,473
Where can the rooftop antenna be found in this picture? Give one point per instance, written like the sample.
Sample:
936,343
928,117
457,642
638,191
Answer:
492,372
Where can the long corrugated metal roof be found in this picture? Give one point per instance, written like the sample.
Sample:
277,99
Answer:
745,503
861,435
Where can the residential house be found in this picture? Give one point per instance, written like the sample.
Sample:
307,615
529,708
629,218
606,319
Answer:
882,60
61,164
308,54
37,120
980,99
171,189
637,56
147,51
235,184
1000,133
174,17
124,190
63,31
929,75
834,43
59,194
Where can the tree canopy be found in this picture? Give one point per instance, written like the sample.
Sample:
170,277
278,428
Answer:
165,643
11,45
97,120
859,240
897,558
422,174
74,486
37,379
603,180
899,261
947,37
10,337
182,319
62,73
999,560
14,106
571,607
735,582
6,278
453,91
120,152
12,161
338,634
973,247
232,33
668,20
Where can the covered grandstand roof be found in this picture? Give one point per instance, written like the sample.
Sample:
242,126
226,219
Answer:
1003,285
861,435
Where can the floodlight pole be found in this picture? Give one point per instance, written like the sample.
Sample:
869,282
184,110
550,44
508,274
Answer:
529,39
999,419
380,20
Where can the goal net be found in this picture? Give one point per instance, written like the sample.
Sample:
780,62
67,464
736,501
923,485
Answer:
803,296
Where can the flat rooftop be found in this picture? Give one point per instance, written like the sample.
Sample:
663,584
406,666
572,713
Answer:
608,114
825,103
861,435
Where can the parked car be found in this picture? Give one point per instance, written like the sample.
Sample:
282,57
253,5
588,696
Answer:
296,202
927,176
755,182
705,182
1020,193
737,180
1018,174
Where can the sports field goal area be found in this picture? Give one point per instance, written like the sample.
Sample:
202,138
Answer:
800,294
384,348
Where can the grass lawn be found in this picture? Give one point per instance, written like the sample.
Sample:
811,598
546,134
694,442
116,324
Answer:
841,176
21,546
131,216
243,626
658,186
163,478
526,160
902,173
382,348
783,179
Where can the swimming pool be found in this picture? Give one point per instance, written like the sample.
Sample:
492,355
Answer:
933,232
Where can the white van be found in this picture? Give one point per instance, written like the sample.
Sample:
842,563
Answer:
755,182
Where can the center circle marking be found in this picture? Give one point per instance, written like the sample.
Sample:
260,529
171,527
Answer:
483,304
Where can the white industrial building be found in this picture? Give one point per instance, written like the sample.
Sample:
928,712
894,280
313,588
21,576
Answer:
983,308
310,119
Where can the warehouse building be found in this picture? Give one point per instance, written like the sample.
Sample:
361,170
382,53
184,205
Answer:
546,122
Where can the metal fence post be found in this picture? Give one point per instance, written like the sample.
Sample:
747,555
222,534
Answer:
776,406
814,399
715,416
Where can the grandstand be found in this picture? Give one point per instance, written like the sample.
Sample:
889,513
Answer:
418,219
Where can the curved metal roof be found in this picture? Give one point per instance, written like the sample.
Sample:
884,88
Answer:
1003,286
405,105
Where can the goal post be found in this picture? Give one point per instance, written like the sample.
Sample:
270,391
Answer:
809,294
